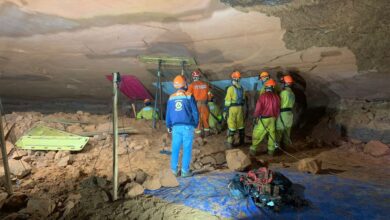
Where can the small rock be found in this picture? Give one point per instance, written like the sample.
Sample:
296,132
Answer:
74,129
310,165
19,168
208,160
104,127
237,160
123,178
50,155
133,190
61,154
9,146
15,202
104,196
3,198
355,141
74,172
140,176
376,148
63,162
79,112
41,164
27,159
18,154
152,183
220,158
101,182
167,179
40,207
89,128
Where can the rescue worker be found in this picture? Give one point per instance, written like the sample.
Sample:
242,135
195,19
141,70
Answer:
201,92
234,108
264,77
215,117
286,117
182,117
147,111
266,113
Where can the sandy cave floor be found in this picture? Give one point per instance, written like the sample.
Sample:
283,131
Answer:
82,188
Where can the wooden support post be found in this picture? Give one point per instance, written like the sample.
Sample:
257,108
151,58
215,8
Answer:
5,157
115,81
156,98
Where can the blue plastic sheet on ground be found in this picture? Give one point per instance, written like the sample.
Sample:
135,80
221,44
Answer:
330,197
248,84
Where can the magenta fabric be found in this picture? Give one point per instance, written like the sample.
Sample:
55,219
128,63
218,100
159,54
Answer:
131,87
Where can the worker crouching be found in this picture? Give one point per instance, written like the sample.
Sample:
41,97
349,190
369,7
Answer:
182,117
148,111
286,117
266,113
234,110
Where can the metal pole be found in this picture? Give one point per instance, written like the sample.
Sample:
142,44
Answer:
115,81
5,157
160,90
156,95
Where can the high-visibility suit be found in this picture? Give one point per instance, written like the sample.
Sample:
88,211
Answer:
201,92
286,117
182,117
147,113
234,101
215,117
266,112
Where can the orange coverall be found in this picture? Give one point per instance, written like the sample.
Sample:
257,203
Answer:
201,91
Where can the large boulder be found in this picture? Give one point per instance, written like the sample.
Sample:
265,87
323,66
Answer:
237,160
167,179
133,190
376,148
40,207
310,165
152,183
19,168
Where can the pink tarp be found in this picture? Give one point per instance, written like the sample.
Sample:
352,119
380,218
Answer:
131,87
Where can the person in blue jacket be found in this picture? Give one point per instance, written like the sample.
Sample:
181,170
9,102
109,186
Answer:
182,118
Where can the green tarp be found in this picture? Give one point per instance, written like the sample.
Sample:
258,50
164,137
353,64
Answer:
44,138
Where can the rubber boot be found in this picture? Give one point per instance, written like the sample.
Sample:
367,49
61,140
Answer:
252,152
230,139
241,134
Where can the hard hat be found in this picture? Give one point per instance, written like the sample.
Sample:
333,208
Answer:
146,101
179,82
270,83
288,79
264,74
196,73
236,75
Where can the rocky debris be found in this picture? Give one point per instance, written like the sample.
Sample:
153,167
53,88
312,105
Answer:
19,168
133,190
123,178
355,141
220,158
199,141
15,202
104,127
152,183
65,161
9,146
60,154
167,179
89,128
74,172
71,202
17,216
237,160
310,165
40,207
376,148
140,176
208,160
50,155
18,154
41,163
74,129
3,198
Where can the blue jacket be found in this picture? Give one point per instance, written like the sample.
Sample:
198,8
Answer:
182,110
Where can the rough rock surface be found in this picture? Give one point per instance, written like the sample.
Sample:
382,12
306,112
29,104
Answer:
133,190
167,179
152,183
237,160
310,165
40,207
3,198
15,202
63,162
19,168
376,148
140,176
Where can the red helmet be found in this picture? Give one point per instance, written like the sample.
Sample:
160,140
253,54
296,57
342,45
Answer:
196,73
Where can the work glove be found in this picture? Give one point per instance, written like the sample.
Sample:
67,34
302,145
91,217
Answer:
169,130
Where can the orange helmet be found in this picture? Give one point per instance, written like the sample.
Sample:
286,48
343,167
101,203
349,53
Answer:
146,101
179,82
288,79
196,73
270,83
236,75
264,74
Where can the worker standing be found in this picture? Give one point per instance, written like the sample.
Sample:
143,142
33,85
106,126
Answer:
266,113
234,108
286,117
264,77
147,111
215,117
181,118
201,92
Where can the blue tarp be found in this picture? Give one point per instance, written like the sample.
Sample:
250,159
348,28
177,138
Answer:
330,197
248,83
